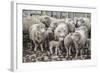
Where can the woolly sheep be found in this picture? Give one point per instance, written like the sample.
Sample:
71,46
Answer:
36,33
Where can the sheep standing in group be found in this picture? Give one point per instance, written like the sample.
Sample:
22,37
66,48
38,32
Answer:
79,38
56,45
31,20
71,25
55,35
68,43
82,21
37,34
49,36
61,31
46,20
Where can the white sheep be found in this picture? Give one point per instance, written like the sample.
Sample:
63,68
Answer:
79,38
37,33
29,21
68,43
61,31
55,23
82,21
54,44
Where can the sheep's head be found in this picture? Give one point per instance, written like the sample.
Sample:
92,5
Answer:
53,25
45,20
41,28
61,31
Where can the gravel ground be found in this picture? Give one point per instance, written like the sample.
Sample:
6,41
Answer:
38,56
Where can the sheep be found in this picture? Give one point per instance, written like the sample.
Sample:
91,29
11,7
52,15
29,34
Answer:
49,36
79,38
54,44
82,21
68,43
47,20
61,31
88,46
29,21
71,26
59,34
75,19
37,33
52,27
55,23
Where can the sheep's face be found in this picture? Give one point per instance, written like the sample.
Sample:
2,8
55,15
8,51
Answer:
46,20
53,25
80,22
49,31
41,28
49,34
61,31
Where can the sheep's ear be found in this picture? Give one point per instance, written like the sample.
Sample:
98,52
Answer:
48,20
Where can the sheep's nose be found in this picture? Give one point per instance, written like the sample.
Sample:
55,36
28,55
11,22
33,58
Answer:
43,30
61,39
62,35
50,33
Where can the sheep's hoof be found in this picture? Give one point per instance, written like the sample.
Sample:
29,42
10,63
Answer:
82,57
76,57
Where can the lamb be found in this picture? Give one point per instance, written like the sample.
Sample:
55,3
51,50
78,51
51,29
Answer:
37,33
54,44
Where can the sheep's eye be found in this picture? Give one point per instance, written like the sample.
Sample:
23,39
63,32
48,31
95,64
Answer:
64,30
55,23
82,21
58,31
46,18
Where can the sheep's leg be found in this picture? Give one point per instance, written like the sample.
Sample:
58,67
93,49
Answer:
81,53
59,51
76,53
56,49
62,49
41,47
67,51
76,48
35,47
51,49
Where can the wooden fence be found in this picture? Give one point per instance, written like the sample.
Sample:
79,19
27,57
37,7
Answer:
56,14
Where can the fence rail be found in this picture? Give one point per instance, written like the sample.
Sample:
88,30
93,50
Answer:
56,14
